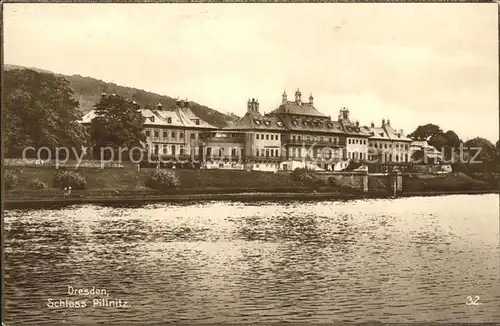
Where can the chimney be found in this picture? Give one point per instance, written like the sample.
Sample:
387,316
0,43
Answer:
372,124
257,105
103,95
283,97
249,106
357,123
388,122
311,98
383,122
402,132
253,104
186,103
178,103
298,94
159,107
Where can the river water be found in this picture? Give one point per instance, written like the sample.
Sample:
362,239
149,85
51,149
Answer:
390,260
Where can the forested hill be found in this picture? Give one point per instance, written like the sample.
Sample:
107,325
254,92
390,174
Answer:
87,92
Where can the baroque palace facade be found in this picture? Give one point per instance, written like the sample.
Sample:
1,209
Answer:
295,134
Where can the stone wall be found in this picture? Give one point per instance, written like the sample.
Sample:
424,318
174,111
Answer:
353,180
378,182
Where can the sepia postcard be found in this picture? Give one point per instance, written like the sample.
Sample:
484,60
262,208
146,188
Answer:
202,163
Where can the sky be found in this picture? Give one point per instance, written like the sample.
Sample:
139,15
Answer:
411,63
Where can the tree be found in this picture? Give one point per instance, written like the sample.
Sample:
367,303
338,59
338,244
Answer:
39,111
118,124
485,159
423,132
448,143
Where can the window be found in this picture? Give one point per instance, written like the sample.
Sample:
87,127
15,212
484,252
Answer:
267,137
209,151
156,133
174,136
267,152
165,149
349,140
193,135
277,137
293,138
181,150
147,133
233,152
165,134
272,137
256,152
256,136
181,135
173,149
156,149
321,139
299,138
221,151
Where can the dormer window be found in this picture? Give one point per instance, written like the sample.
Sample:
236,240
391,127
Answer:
152,119
197,121
305,123
330,125
257,122
279,123
169,120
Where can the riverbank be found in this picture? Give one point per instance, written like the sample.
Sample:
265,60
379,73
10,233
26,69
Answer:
122,186
243,196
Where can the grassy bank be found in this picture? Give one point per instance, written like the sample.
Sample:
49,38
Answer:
129,184
115,182
452,182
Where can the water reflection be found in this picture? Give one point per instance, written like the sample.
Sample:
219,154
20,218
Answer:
404,260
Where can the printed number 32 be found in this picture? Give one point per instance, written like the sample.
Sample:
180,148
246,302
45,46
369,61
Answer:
472,302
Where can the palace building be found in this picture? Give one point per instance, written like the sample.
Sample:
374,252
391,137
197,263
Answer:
387,145
294,134
171,134
295,131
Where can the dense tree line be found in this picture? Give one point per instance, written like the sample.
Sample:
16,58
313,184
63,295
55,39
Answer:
39,111
457,151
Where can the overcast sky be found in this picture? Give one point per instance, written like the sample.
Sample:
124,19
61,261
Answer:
411,63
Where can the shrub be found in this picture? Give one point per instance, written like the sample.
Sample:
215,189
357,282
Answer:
303,175
71,179
38,184
9,179
162,180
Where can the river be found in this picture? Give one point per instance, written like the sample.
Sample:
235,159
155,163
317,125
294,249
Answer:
391,260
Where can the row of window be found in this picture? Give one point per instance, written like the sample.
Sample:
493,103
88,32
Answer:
321,139
356,141
267,136
385,145
357,155
165,134
317,152
220,151
267,152
390,157
169,149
